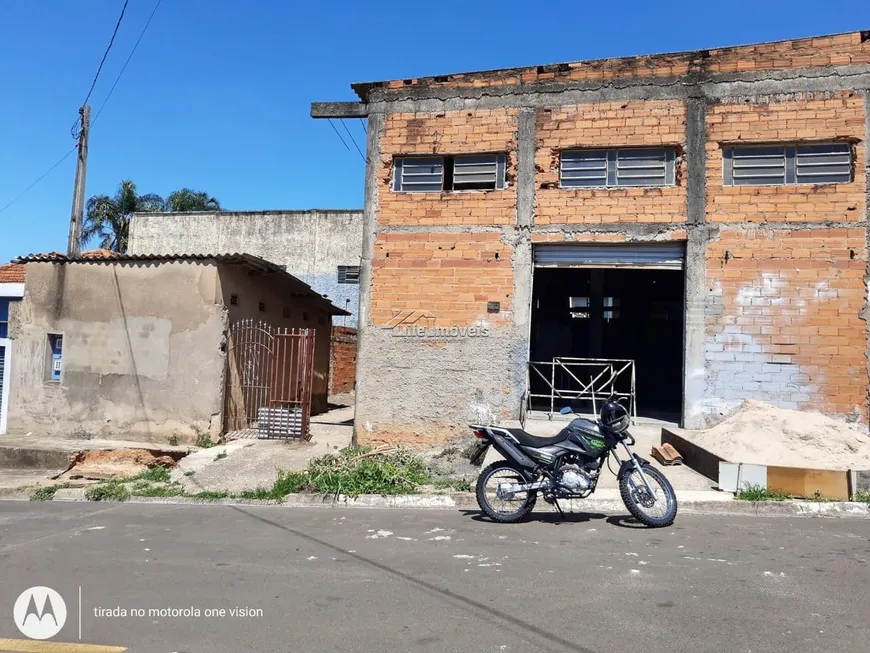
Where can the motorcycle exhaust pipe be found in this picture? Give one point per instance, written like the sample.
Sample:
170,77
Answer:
507,491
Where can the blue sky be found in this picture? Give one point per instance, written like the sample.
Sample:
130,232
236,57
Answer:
217,95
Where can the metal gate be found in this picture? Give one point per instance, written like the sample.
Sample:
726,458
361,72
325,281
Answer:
565,382
269,377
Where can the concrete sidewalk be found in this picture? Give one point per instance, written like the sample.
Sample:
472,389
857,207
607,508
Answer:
250,464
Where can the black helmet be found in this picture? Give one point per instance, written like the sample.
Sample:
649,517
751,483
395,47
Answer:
614,417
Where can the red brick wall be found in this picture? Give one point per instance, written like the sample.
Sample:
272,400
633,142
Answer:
800,118
611,124
342,367
783,318
456,132
450,276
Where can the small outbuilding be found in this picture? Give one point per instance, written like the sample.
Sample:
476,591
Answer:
155,347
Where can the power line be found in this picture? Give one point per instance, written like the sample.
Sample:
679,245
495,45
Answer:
340,137
39,179
353,140
106,53
124,67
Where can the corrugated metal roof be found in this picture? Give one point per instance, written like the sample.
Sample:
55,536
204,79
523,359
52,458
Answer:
101,257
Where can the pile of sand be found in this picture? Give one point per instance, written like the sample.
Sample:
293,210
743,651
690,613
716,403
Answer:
765,435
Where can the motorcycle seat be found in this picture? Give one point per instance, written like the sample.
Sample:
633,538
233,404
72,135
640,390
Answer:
528,440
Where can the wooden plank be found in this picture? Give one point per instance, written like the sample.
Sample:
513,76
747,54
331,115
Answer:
806,483
702,461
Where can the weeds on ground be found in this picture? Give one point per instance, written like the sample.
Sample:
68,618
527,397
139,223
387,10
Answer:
211,495
110,491
190,473
203,440
818,497
759,493
46,492
351,471
360,470
448,452
172,440
221,455
456,484
286,483
469,451
172,490
861,497
158,474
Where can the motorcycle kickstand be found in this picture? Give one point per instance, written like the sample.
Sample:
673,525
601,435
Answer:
558,507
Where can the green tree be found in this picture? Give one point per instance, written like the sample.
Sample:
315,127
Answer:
185,200
107,219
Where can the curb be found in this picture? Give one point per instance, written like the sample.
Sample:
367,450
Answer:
721,505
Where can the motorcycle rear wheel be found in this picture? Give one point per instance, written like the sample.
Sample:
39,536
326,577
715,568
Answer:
501,510
657,511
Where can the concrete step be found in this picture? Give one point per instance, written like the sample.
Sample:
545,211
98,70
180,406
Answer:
16,457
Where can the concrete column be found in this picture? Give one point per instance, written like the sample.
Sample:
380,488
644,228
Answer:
694,379
370,211
523,264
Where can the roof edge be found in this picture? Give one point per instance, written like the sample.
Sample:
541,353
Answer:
362,89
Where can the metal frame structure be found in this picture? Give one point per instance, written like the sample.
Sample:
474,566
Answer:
269,378
603,378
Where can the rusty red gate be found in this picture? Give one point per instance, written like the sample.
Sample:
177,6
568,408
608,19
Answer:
269,377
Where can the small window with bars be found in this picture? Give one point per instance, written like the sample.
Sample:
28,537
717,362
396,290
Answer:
770,165
435,174
4,318
348,274
618,167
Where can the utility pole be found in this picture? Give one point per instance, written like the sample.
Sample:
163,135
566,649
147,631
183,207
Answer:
74,246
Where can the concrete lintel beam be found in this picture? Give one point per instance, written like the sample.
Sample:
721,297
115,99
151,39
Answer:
339,110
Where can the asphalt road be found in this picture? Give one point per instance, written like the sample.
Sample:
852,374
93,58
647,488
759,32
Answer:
320,580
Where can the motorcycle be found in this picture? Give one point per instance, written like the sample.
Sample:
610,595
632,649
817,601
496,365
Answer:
568,466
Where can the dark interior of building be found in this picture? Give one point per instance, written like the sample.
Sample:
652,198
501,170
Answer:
612,313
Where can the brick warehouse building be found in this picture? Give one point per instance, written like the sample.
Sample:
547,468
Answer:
702,212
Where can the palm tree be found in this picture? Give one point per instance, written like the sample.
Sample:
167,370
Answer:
108,218
185,200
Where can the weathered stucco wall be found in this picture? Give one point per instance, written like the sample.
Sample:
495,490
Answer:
281,310
312,244
141,350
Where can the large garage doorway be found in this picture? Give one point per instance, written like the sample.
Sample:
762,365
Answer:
614,302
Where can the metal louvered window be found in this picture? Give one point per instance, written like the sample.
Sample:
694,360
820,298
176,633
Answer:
478,172
424,174
826,163
435,174
348,274
619,167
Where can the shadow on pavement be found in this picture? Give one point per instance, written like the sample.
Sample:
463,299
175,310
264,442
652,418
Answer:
544,517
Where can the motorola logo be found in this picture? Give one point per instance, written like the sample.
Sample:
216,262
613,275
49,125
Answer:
39,613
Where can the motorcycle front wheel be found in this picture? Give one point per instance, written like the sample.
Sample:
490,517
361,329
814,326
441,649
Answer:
656,510
504,511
